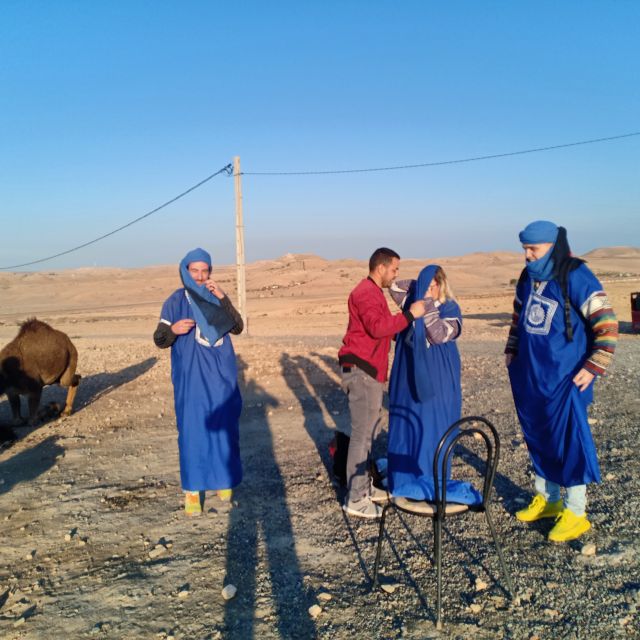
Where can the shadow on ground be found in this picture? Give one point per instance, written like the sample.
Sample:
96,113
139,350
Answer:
91,388
29,464
260,532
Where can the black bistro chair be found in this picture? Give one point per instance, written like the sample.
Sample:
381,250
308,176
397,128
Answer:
440,509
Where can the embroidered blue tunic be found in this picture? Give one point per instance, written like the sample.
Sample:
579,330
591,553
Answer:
551,409
207,404
425,399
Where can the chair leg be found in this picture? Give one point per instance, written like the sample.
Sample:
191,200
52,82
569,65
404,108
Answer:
503,565
379,546
437,530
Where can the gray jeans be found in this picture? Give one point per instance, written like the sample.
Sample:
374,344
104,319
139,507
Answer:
365,404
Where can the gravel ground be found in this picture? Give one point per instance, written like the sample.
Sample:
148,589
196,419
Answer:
94,543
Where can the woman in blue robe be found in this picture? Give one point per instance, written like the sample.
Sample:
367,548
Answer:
425,396
195,322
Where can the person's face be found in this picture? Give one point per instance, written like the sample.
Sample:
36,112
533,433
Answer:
433,291
389,272
199,271
533,252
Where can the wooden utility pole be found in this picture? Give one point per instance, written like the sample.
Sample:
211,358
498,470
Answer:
242,283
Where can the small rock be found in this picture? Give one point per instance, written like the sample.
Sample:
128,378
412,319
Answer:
610,476
481,585
31,555
19,621
183,594
67,537
315,610
475,608
229,592
592,420
157,551
552,613
323,596
588,549
389,587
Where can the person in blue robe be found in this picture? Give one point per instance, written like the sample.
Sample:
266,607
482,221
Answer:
562,336
195,322
425,396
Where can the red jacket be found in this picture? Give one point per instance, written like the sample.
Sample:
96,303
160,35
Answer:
371,327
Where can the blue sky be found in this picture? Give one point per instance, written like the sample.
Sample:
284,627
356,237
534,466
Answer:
110,108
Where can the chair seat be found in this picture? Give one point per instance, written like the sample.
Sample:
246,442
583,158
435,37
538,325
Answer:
424,508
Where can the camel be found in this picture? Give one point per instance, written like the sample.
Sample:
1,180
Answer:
39,355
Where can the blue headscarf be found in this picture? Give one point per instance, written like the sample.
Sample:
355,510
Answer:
212,320
419,354
536,233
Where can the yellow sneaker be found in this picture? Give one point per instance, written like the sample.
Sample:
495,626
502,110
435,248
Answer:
225,494
192,505
538,509
569,526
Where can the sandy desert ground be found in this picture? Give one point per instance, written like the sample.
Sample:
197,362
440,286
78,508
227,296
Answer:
93,541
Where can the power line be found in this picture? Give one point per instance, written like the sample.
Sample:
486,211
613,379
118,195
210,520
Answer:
226,169
440,163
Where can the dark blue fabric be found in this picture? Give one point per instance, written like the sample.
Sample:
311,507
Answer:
424,401
542,269
207,404
211,318
551,409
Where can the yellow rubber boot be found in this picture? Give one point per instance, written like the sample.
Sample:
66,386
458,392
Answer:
569,526
192,505
225,494
538,509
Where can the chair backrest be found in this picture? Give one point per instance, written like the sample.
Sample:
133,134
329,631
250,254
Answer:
491,440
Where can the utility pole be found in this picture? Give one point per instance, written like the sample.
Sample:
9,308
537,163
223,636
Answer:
242,283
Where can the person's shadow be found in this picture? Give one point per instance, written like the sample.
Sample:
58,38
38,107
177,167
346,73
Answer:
262,513
315,388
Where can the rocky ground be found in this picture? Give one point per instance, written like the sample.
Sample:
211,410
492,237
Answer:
93,541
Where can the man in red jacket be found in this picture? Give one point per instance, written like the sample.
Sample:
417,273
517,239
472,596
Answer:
364,360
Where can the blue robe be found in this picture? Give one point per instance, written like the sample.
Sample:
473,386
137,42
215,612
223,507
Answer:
207,404
551,409
425,399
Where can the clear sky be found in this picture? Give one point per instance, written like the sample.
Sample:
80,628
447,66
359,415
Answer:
109,108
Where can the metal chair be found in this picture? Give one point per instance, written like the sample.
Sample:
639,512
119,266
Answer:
440,509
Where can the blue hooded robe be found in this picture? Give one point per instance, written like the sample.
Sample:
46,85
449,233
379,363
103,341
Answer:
551,409
425,399
206,393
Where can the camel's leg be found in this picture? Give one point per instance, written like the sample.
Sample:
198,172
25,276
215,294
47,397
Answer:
34,402
14,403
71,394
68,377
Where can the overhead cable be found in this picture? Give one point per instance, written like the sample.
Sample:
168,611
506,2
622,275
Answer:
439,163
228,169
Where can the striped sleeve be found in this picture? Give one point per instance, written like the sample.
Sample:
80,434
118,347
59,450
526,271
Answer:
512,340
439,330
398,291
598,312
